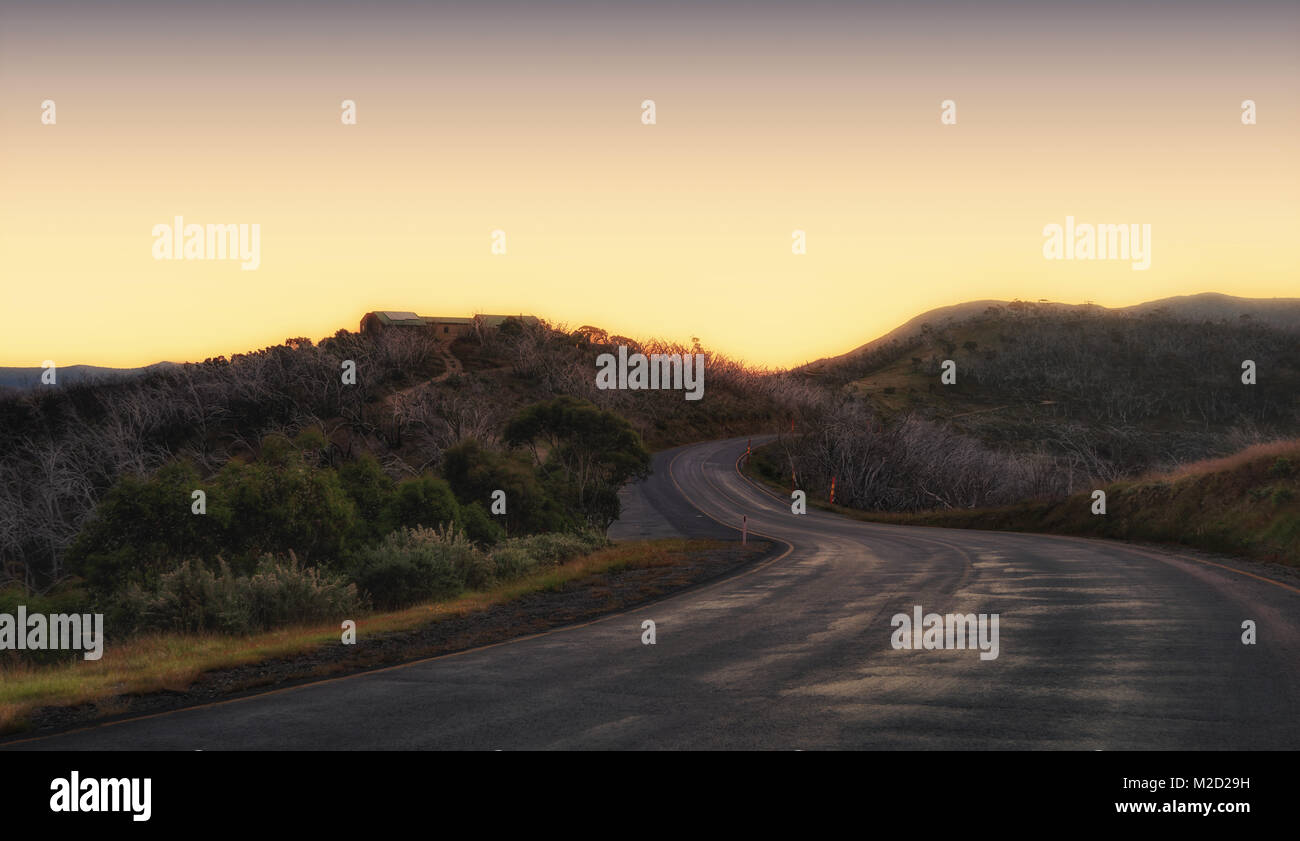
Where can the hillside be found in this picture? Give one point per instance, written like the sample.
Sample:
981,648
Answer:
1248,506
1283,313
63,448
1121,390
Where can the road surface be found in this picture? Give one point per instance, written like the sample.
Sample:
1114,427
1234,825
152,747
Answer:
1101,646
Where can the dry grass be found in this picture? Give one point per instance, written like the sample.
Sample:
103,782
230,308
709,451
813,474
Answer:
172,661
1273,449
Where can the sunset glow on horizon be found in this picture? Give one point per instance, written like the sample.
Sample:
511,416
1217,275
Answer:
527,119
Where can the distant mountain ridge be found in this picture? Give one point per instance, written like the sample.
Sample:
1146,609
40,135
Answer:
1213,306
68,374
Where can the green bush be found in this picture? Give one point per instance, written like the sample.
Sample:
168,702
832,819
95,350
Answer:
282,506
69,597
474,472
512,562
422,502
551,549
414,565
521,555
420,564
290,500
195,598
479,526
371,491
143,524
591,452
279,504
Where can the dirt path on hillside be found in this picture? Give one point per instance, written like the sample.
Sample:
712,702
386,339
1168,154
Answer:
453,364
452,367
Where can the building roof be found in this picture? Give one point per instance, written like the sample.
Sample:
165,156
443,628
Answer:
404,318
388,317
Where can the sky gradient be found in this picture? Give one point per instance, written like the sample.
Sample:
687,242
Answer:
526,117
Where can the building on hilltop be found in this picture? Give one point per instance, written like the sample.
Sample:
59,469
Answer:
372,321
447,328
496,320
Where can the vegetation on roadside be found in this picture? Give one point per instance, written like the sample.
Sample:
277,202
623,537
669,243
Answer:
294,534
1247,505
173,660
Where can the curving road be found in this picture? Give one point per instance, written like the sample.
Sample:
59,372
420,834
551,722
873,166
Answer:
1101,646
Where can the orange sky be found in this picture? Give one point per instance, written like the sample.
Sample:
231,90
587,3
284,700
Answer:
526,118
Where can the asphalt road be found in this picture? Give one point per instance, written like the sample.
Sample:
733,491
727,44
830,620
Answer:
1101,646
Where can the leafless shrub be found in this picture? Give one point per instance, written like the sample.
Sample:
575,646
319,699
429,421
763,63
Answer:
913,464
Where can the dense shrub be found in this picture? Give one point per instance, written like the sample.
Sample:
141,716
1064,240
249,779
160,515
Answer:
370,490
289,500
283,502
512,562
422,502
143,524
474,472
278,507
521,555
415,565
479,526
911,465
68,598
195,598
549,549
419,564
589,452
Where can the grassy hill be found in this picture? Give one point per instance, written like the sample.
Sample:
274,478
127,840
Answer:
1125,390
1281,313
